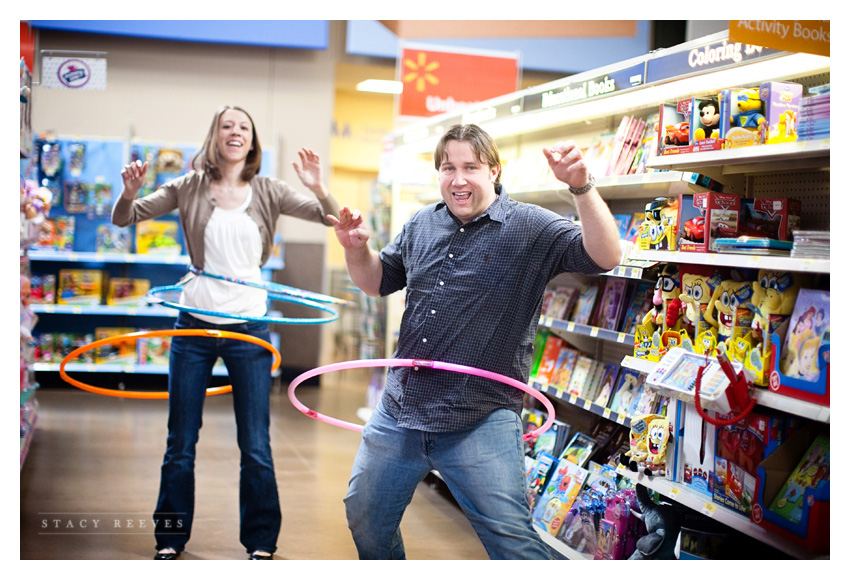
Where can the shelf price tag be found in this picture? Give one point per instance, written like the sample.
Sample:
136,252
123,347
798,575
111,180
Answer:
573,399
621,337
77,309
621,418
587,405
709,509
571,327
594,331
606,412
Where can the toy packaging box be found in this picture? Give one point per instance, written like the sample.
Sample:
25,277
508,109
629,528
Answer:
674,135
127,291
696,450
121,351
774,218
794,489
705,121
705,217
157,237
153,350
742,120
558,496
57,234
739,449
111,239
781,110
808,331
658,231
80,287
43,289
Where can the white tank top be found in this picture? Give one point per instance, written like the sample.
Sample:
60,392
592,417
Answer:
233,248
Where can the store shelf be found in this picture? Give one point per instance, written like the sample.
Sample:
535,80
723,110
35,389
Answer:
586,330
704,505
560,548
103,310
819,266
762,396
218,370
275,262
776,157
560,394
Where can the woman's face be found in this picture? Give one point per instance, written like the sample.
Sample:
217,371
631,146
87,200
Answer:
235,136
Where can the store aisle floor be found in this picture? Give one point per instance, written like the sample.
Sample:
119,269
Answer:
91,478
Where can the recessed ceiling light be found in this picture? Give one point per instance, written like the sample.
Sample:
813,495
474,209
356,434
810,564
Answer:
379,86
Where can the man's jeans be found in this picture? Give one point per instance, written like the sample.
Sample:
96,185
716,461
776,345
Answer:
483,467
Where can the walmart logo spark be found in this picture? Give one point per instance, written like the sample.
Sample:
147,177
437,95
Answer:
420,71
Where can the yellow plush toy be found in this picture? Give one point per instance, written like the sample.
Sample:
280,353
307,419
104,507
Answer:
697,290
726,310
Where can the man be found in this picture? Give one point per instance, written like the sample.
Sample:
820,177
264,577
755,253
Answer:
475,266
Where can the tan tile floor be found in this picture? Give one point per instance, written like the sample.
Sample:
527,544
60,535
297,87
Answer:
97,457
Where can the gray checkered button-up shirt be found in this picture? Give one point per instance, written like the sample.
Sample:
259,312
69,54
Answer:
474,294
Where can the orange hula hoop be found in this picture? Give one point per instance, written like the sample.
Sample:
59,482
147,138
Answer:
153,333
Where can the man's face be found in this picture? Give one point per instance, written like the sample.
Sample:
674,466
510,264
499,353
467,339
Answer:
466,182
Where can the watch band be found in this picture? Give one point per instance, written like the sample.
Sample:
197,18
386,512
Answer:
591,183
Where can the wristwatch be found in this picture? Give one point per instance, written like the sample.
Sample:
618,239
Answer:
591,183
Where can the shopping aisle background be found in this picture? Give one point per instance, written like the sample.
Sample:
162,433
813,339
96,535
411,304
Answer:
98,457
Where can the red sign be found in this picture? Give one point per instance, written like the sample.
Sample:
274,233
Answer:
437,82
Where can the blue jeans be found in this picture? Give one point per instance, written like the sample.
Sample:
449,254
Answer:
190,369
483,467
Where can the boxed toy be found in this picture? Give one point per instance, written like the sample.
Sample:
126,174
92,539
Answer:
705,217
705,118
696,450
739,448
120,351
80,287
794,489
43,289
127,291
153,350
112,239
57,234
157,237
781,109
742,120
658,231
774,218
674,135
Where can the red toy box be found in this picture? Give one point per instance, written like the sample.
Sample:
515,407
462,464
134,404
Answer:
738,451
705,217
774,218
778,475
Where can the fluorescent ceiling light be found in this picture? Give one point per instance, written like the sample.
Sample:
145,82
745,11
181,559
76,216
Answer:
379,86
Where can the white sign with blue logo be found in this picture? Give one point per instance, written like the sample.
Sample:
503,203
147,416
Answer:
59,72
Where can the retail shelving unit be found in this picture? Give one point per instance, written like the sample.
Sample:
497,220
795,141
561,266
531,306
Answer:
28,233
524,122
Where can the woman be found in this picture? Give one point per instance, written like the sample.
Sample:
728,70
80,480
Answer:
229,215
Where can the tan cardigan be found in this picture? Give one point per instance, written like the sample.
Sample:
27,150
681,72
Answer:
190,195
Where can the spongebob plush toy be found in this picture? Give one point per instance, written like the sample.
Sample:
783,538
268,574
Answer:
638,437
697,290
774,295
648,439
664,316
726,309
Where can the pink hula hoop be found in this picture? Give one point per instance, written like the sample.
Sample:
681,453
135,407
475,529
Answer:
401,362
